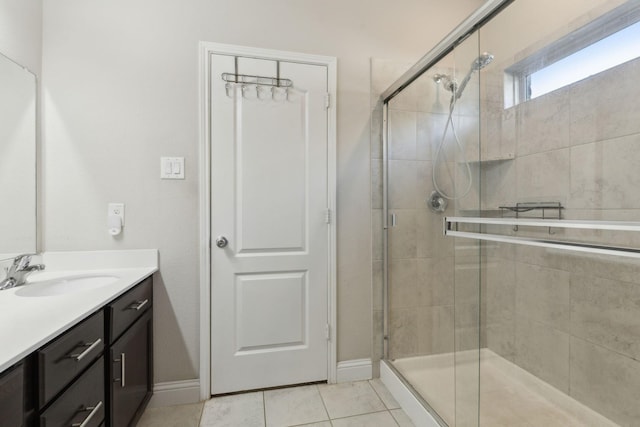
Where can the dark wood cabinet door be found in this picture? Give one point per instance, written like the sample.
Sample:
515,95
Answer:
131,372
12,397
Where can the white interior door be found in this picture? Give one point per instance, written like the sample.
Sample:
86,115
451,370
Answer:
269,197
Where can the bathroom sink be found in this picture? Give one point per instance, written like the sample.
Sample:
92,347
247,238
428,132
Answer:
65,285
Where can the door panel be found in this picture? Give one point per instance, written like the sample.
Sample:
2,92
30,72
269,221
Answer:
279,297
269,199
266,182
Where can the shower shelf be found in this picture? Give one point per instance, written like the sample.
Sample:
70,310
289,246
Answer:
539,210
533,210
493,160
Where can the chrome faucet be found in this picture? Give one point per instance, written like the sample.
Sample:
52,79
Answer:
19,270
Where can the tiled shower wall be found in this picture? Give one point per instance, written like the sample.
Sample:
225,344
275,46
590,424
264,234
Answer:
422,319
569,318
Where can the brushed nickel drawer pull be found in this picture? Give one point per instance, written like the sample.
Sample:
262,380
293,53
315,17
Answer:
123,368
138,305
90,347
94,410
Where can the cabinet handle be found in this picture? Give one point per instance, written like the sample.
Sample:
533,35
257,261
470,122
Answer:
122,361
138,305
90,347
122,369
94,410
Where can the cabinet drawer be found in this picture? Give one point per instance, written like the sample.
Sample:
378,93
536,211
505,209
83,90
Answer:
67,356
12,397
82,402
130,306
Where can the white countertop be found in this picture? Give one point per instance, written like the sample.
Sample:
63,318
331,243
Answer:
27,322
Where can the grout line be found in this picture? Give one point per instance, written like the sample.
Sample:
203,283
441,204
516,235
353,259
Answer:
202,412
366,413
324,405
392,417
378,394
264,408
312,422
325,410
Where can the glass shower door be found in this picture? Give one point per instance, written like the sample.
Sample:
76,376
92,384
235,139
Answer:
433,281
562,291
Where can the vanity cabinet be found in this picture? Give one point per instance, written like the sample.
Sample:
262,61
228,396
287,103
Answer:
71,376
12,392
130,320
131,372
82,404
99,373
69,355
122,312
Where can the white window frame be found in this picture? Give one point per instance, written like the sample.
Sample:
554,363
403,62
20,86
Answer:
517,76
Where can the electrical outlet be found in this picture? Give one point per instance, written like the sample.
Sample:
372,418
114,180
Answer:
116,209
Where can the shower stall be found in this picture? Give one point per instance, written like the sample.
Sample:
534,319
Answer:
506,220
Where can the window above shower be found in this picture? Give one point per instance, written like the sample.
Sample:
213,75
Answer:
604,43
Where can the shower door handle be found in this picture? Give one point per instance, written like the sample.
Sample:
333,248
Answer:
221,242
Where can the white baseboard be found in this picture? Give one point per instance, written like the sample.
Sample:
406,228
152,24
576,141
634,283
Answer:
408,402
354,370
175,393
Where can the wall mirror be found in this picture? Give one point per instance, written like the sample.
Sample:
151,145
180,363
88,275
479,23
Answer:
18,105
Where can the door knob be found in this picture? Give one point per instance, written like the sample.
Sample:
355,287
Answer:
221,241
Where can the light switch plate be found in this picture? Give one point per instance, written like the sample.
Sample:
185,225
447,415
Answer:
172,167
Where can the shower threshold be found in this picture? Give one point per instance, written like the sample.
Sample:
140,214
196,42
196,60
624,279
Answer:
509,395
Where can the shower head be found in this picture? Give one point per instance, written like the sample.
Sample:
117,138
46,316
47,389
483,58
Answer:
478,64
481,61
438,77
447,81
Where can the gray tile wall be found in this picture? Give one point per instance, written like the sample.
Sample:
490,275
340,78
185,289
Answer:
571,319
423,264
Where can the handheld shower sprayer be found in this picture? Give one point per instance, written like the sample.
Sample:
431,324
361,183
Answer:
456,90
478,64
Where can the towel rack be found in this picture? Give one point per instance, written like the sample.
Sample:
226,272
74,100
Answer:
451,228
256,80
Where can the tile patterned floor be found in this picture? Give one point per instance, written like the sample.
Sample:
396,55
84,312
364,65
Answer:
354,404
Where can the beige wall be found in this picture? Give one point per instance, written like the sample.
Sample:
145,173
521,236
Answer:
120,90
21,32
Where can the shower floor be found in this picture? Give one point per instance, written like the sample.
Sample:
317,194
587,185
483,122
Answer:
509,395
